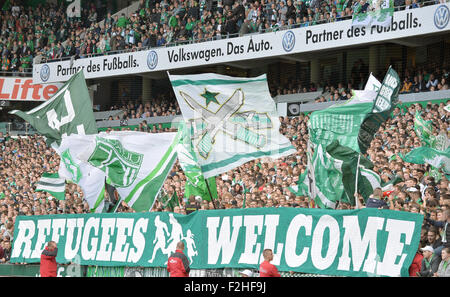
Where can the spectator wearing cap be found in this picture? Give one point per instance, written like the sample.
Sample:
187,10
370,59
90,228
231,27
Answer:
430,262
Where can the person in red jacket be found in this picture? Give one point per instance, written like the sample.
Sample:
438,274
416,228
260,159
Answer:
266,269
416,264
178,263
48,266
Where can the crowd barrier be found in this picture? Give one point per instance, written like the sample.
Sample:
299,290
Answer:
32,270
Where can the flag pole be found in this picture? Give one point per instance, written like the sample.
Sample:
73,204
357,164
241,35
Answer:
209,191
356,183
311,173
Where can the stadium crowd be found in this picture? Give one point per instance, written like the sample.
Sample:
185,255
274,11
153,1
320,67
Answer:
27,33
47,32
415,80
420,79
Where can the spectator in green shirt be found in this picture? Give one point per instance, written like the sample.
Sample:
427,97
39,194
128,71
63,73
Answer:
123,21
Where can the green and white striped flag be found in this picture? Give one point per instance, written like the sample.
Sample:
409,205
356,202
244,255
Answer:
52,184
69,112
353,162
234,120
137,163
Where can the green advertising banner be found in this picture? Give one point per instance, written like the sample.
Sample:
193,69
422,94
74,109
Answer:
366,242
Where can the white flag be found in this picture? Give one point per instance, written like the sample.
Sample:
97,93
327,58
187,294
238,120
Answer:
137,163
233,120
74,9
90,179
372,84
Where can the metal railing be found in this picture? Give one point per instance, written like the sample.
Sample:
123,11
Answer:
28,72
18,128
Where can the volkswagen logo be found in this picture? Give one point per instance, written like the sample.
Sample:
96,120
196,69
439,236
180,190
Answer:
294,109
152,60
288,41
45,73
441,17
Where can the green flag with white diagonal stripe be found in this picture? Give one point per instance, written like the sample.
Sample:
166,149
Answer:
137,163
52,184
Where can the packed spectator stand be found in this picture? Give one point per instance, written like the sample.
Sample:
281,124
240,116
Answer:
27,33
261,183
46,33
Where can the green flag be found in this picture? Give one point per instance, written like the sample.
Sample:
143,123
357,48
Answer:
340,122
428,155
52,184
169,201
326,186
69,111
353,162
423,129
301,188
196,184
383,105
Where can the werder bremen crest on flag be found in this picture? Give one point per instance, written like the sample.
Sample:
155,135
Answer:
136,163
232,120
